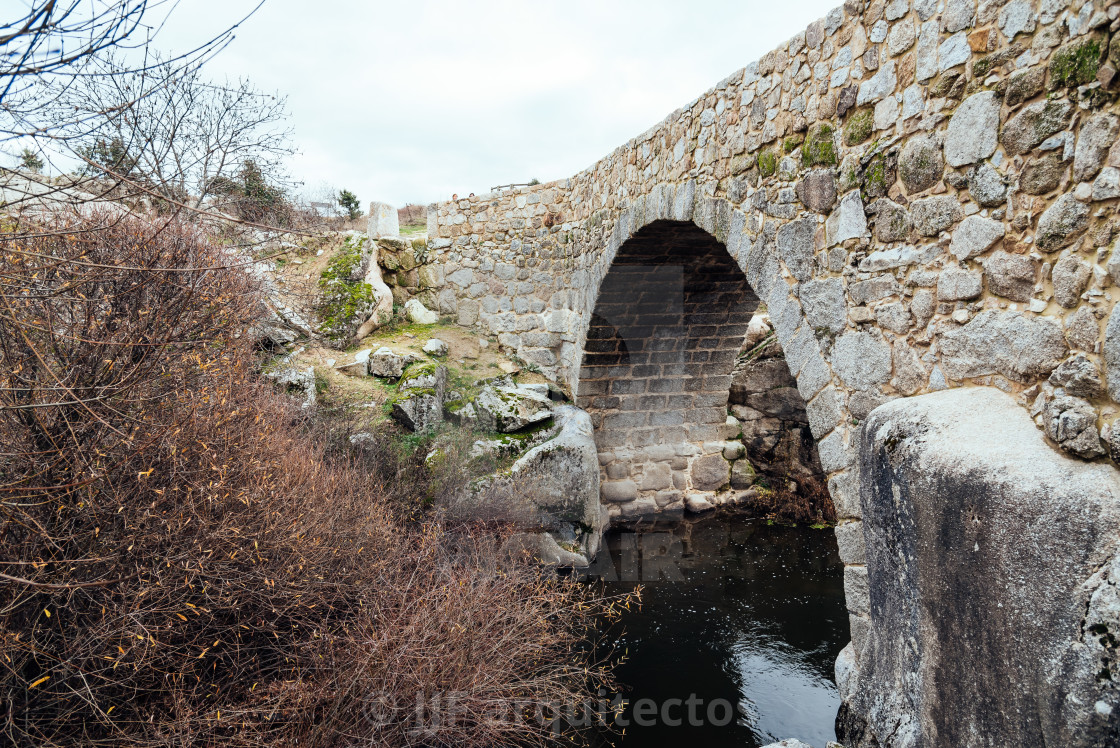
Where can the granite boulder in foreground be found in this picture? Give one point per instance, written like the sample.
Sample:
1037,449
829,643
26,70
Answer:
993,578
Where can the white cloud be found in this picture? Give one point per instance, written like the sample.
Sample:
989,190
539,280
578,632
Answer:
410,102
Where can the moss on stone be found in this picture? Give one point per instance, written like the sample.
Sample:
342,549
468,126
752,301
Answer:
767,163
346,303
819,149
858,127
1076,63
877,178
789,145
415,371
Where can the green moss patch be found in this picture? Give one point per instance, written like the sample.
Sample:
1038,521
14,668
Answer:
1076,63
858,127
789,145
346,302
819,148
767,164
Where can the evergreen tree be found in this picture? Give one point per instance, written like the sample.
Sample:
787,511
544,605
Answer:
30,160
349,203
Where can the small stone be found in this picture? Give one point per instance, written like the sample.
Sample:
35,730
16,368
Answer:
697,503
986,186
824,305
1007,343
926,54
878,32
796,246
974,236
1072,423
973,131
901,37
848,221
710,473
1079,377
933,215
1075,63
954,51
435,347
1063,222
734,450
1107,184
1097,135
1041,175
920,164
955,284
385,363
507,409
420,314
958,15
1011,276
892,221
817,190
879,85
1083,330
910,375
619,491
1111,351
1016,18
922,307
894,317
1022,86
1070,276
1033,124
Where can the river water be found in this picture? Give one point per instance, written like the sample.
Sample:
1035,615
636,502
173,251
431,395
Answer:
735,641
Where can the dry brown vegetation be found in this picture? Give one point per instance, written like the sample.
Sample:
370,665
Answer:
190,559
808,503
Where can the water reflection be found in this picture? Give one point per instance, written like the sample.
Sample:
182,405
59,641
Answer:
735,611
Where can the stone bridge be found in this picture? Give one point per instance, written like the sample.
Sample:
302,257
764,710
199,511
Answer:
922,194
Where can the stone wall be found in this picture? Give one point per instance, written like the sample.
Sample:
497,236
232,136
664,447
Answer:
923,193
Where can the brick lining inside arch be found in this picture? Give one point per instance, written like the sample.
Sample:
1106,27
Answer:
668,324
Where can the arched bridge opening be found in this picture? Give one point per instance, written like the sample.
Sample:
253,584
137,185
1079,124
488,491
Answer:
662,343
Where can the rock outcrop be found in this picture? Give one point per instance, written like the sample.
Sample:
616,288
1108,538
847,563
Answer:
551,492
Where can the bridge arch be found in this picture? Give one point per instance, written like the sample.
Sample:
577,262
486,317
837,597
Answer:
660,439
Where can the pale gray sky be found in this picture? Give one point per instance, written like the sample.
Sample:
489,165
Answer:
413,101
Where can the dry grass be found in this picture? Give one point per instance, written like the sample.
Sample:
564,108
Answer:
190,559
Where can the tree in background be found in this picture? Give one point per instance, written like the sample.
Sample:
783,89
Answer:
179,135
349,203
30,161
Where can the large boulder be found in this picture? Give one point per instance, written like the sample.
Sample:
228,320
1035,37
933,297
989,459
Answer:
508,408
388,364
553,487
992,574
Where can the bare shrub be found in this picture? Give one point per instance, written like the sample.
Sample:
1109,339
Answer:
188,558
808,503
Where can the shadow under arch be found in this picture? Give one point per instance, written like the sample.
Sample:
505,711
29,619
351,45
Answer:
668,323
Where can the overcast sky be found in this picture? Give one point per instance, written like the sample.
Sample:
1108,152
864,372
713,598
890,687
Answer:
413,101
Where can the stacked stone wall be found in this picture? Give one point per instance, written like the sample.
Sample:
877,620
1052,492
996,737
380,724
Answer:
922,192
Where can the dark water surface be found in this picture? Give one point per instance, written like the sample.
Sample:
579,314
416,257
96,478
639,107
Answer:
743,618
